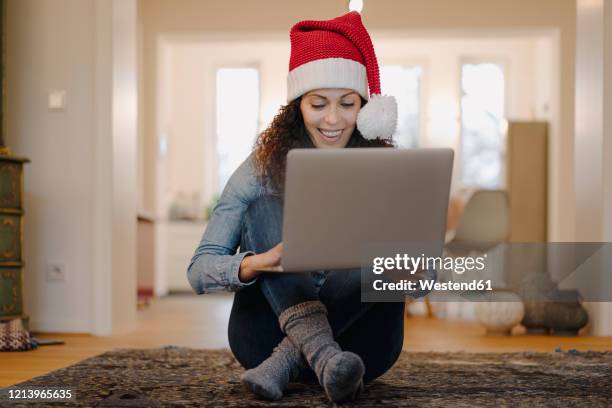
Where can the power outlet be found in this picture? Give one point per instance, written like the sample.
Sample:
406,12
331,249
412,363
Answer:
56,272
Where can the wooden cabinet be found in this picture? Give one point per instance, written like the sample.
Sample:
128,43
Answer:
11,237
526,183
181,238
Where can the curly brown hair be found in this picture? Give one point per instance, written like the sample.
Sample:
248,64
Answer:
286,132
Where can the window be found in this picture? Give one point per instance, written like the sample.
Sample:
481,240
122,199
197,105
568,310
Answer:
482,124
237,118
404,82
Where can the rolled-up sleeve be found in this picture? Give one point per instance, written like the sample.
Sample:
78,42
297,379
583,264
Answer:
215,265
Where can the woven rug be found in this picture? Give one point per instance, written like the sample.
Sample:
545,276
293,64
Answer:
177,377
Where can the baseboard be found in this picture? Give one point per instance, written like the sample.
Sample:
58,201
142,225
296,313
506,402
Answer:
59,326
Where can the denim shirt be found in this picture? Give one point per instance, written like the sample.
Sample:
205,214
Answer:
215,265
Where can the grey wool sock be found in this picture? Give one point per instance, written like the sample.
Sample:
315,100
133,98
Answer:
339,372
271,377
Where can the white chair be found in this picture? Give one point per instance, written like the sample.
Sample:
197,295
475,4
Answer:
484,223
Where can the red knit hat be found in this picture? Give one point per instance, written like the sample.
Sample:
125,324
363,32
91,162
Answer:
339,53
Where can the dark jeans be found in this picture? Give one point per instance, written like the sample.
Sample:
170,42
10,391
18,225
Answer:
374,331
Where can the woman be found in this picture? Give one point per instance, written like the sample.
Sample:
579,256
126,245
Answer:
289,326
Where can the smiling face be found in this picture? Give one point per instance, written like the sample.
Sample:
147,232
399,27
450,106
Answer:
330,115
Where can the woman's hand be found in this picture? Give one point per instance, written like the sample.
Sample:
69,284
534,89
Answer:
251,265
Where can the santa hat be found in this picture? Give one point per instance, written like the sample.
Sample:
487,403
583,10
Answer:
339,53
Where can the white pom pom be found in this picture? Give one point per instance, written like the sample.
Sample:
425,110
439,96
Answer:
378,118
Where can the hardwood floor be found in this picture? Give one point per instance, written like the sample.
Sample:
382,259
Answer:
201,322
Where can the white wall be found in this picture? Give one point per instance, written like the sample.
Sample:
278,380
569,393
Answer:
123,156
607,123
589,120
58,182
79,189
593,142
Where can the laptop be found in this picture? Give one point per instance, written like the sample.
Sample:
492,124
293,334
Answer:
339,200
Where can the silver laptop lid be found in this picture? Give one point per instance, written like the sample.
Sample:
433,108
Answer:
337,200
